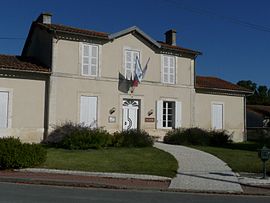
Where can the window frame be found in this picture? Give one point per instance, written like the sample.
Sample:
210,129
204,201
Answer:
169,68
132,59
167,115
96,110
90,57
223,114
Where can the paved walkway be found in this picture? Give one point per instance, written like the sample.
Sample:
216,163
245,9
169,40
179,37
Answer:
200,171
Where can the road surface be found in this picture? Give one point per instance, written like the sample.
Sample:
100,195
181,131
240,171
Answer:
10,192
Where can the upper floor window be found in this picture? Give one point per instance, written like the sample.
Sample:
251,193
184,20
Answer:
168,69
130,61
89,60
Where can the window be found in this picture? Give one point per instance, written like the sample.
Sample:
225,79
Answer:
217,116
169,114
88,111
90,60
168,69
4,96
130,61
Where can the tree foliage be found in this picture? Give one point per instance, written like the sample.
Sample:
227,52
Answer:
261,94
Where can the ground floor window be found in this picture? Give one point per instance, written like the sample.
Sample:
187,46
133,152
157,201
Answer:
88,111
4,109
169,114
217,116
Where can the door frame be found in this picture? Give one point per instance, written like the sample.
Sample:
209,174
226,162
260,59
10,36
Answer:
138,112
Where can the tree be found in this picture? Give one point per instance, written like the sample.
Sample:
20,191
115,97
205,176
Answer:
247,84
261,93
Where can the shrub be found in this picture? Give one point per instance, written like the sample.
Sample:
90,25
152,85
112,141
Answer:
197,136
219,138
14,154
61,131
78,136
87,139
132,138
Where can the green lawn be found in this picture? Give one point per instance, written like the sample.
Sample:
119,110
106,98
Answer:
238,159
122,160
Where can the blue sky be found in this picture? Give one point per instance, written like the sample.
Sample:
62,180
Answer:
230,50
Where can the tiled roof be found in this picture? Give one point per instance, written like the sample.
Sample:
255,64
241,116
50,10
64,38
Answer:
261,109
218,84
178,48
8,62
105,36
74,30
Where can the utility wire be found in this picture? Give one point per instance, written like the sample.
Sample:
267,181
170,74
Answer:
12,38
208,13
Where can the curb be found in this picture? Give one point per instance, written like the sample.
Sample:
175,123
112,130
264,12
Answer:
97,174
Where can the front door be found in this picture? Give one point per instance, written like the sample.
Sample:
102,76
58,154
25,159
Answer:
130,114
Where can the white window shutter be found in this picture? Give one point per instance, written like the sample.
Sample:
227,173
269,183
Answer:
165,69
128,65
178,114
171,70
88,111
217,116
3,109
159,114
94,60
85,59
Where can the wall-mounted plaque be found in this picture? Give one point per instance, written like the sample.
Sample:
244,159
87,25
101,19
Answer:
149,120
112,119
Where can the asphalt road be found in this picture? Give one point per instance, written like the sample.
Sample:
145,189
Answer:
10,192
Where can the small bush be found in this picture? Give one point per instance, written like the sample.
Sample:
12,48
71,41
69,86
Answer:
78,136
197,136
219,138
14,154
64,130
87,139
132,138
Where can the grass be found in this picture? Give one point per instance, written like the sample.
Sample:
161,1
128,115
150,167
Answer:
241,157
148,160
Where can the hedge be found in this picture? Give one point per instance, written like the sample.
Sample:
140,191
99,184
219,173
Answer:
14,154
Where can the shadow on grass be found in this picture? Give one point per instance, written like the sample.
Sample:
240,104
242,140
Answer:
223,180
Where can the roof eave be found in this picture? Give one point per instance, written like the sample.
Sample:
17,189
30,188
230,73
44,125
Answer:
243,92
25,71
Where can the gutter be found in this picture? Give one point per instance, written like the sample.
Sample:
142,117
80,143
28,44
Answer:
225,90
25,71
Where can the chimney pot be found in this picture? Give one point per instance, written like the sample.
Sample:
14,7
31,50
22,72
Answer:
171,37
45,18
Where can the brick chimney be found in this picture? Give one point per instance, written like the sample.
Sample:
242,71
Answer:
45,18
171,37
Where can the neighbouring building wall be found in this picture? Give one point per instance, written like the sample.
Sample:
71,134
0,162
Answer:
40,47
233,113
25,108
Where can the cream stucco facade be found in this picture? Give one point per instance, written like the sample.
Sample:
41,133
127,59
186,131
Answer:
26,107
38,105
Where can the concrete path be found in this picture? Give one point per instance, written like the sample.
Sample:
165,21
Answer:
200,171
